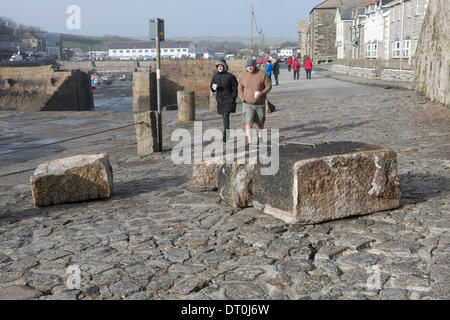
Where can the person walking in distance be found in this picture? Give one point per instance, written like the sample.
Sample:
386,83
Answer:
308,68
269,69
297,65
224,84
289,63
276,70
253,87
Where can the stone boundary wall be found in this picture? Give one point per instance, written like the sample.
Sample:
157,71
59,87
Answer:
432,60
355,72
372,74
362,73
43,89
397,75
377,64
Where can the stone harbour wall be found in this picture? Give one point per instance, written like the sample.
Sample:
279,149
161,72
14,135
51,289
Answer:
44,89
176,76
192,75
432,59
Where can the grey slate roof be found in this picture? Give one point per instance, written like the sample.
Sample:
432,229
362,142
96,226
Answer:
332,4
346,12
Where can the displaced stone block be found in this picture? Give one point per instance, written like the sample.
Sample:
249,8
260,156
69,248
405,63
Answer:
330,181
235,184
146,132
72,179
205,175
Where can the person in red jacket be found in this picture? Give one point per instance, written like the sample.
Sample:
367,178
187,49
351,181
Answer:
308,68
297,66
289,63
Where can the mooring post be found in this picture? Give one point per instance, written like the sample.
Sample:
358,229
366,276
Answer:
186,106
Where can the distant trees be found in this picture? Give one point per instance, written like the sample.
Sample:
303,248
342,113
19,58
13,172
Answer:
10,27
288,44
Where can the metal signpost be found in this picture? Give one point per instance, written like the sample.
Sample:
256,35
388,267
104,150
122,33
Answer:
157,33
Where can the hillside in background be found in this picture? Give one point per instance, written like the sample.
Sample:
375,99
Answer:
88,43
216,44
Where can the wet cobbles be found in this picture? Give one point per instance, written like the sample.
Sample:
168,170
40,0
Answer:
158,238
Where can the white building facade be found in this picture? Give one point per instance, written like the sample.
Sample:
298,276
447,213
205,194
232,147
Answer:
376,40
147,49
289,52
405,24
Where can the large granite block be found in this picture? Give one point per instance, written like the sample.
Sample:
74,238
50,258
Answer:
72,179
205,175
330,181
235,184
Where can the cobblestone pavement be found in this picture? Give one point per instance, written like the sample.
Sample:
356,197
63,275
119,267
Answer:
157,238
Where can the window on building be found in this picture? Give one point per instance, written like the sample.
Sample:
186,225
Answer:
153,50
166,50
396,49
406,49
185,50
121,51
140,51
408,6
178,50
128,51
400,11
371,50
172,50
114,51
146,50
417,7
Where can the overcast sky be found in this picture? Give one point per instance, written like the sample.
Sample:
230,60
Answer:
183,18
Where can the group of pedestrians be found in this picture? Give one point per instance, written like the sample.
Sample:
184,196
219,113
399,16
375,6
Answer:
273,67
252,88
295,64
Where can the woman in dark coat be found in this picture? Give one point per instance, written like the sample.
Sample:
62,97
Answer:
225,85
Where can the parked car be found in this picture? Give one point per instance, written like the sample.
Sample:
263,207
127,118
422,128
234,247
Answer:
107,80
16,58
